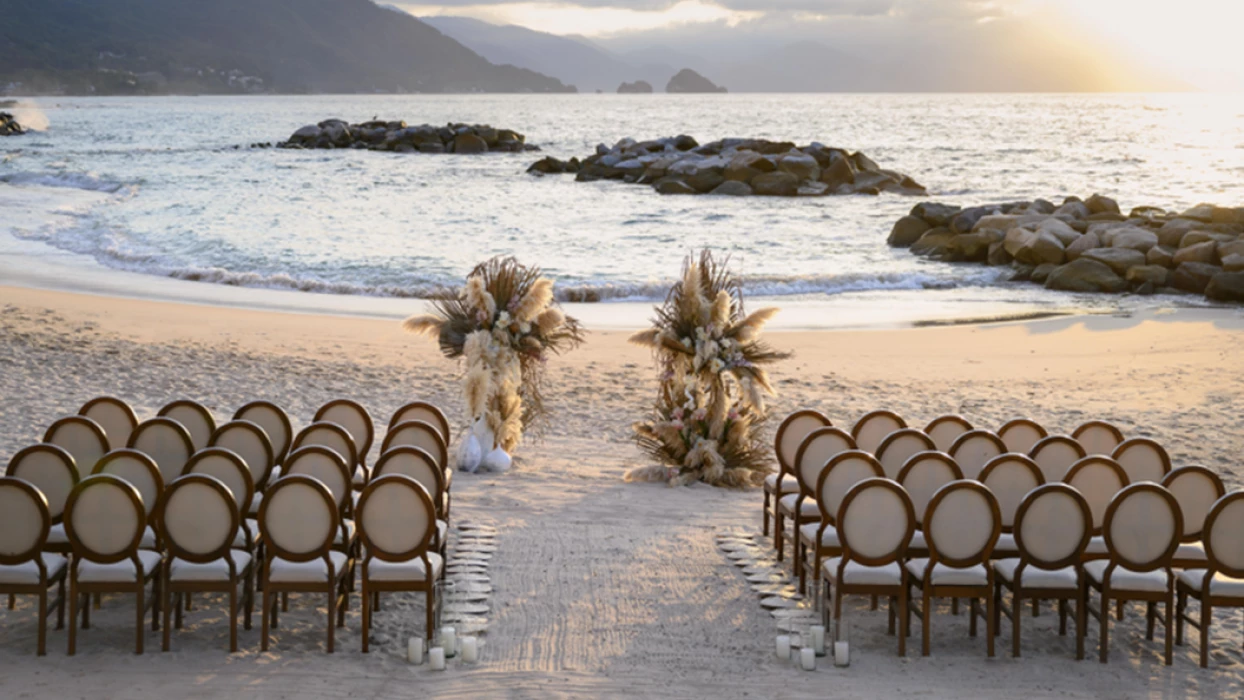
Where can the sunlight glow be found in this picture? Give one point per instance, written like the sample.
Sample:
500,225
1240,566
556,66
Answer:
557,18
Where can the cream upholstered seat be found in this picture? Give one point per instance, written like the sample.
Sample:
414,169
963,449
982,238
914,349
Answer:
1221,585
1021,435
788,483
80,437
814,453
1055,454
790,435
1221,582
1098,437
51,470
276,425
218,570
120,571
807,509
25,568
167,442
876,521
27,573
922,476
1034,577
312,571
1124,579
114,416
974,449
834,480
943,575
412,570
944,430
1010,477
194,417
1196,489
829,537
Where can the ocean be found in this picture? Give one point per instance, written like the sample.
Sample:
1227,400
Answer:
141,192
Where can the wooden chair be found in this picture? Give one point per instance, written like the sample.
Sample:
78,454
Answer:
871,429
105,520
1221,582
167,442
26,568
1052,527
974,449
1055,454
114,416
426,412
1099,480
813,455
227,467
818,539
899,446
1021,435
80,437
1196,489
141,472
358,423
1010,477
944,430
422,467
1143,460
790,434
199,525
397,524
425,436
1098,437
249,441
299,522
961,527
330,435
51,470
275,422
194,417
875,524
923,476
328,467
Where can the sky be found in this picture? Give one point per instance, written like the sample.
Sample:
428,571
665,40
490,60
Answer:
1195,41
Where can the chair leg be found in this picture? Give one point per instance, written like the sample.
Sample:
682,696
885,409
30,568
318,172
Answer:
1062,617
156,588
344,607
1081,620
60,609
42,647
180,606
332,614
1170,604
764,520
800,569
989,622
779,534
430,598
1151,610
86,612
1181,605
73,617
284,601
248,599
1016,616
168,595
1119,609
366,603
972,607
904,622
12,601
926,611
141,615
233,616
1104,652
267,607
1206,619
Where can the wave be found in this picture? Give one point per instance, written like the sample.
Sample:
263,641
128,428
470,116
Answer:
79,181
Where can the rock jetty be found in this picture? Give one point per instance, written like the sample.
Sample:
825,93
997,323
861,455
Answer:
9,125
397,136
736,167
1089,245
687,80
639,87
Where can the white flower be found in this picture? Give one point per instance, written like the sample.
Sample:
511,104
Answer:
503,318
716,365
701,333
524,328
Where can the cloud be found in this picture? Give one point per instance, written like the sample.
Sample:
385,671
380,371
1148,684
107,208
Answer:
829,8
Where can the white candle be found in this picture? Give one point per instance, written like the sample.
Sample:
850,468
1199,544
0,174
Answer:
783,647
470,650
414,650
818,639
436,657
842,654
449,640
807,659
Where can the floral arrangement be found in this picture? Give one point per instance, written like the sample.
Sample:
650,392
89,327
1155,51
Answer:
505,324
709,415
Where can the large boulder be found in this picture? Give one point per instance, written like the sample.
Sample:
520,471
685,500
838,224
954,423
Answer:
1039,248
1073,209
10,127
1117,259
1201,212
1196,253
1153,274
906,231
1193,276
1172,232
1060,230
1160,255
309,132
966,220
1235,247
1085,275
1001,222
1098,204
1226,286
1134,238
775,184
673,185
839,172
1083,244
936,214
936,242
747,165
974,247
733,188
1233,263
801,165
705,179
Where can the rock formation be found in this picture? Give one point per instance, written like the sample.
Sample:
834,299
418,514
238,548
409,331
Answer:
9,125
635,88
1089,245
379,135
681,165
687,80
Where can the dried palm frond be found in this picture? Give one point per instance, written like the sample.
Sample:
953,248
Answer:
424,324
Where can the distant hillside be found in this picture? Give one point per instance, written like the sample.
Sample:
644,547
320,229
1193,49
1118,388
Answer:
160,46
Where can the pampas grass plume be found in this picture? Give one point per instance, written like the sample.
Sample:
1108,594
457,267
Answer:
535,301
721,309
423,325
550,320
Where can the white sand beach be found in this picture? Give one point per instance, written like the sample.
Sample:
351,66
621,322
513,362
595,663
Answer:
603,588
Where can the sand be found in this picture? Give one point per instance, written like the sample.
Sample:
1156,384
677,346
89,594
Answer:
603,588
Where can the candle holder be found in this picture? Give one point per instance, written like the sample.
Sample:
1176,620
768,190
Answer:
782,647
818,639
447,639
470,649
436,659
414,650
842,644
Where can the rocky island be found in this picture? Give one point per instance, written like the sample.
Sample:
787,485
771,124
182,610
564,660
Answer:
396,136
688,81
1089,245
639,87
9,125
734,166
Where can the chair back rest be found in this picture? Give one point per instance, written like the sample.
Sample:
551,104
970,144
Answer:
1224,548
426,412
1143,460
1053,526
325,465
198,518
844,470
298,518
814,454
1098,437
944,430
791,434
1055,454
924,475
876,522
249,441
1010,477
1196,489
24,521
114,416
194,417
416,464
396,518
167,442
354,418
50,469
417,433
899,446
80,437
1142,527
229,469
330,435
870,430
974,449
1021,435
962,524
140,471
104,519
274,421
1099,480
